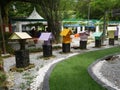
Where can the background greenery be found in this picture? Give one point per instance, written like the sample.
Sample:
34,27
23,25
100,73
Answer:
69,8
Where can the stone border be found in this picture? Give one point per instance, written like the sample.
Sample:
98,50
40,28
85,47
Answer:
47,76
95,77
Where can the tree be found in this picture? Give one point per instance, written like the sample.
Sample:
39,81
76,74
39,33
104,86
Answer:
97,8
51,13
20,9
3,14
55,10
50,9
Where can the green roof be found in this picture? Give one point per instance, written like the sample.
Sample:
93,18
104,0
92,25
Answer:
97,34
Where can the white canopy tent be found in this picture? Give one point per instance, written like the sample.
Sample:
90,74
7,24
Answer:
34,17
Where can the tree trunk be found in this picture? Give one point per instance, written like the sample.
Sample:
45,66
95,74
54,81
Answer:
55,28
2,32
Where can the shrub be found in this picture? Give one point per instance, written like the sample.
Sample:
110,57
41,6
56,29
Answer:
1,62
3,77
8,48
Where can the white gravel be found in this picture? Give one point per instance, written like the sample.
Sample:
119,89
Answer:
108,72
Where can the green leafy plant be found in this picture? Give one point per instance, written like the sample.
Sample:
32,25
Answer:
1,63
3,77
28,79
22,86
14,68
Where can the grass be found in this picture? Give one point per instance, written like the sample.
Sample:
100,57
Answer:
72,74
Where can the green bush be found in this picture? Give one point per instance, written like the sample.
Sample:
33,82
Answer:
34,50
1,62
6,36
56,47
3,77
8,48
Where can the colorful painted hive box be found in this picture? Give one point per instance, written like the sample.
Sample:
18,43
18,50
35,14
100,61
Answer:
46,37
66,35
111,34
97,35
20,35
111,31
117,32
84,36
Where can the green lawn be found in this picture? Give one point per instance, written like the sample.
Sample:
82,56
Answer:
72,74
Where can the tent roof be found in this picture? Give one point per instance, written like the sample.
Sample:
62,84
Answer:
71,25
34,15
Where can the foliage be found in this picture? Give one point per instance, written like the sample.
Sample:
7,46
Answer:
28,80
3,77
15,69
51,12
78,7
56,10
97,8
34,50
20,9
72,73
1,62
67,8
8,48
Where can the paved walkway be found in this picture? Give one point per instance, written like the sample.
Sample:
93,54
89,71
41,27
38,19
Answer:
41,67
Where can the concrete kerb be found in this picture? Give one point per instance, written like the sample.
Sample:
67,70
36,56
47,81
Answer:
90,71
46,78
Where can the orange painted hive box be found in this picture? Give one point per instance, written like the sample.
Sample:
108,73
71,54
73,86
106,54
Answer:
66,35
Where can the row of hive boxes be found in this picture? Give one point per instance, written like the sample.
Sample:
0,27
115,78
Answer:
46,37
65,33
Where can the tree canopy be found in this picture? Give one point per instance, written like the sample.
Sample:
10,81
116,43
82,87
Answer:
97,8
